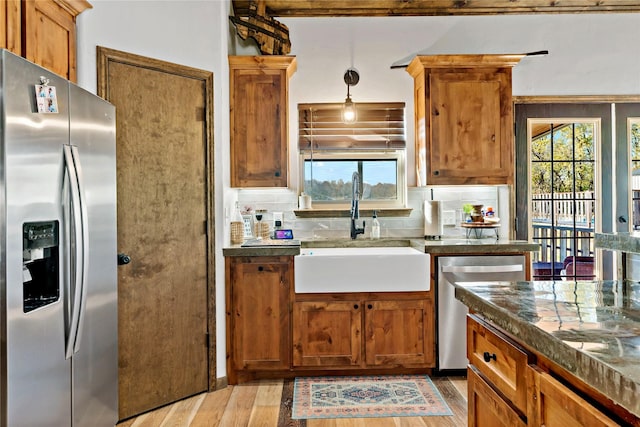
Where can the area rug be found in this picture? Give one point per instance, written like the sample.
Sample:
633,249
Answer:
367,397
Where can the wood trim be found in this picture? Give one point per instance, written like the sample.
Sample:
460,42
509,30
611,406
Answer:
105,57
284,62
345,213
327,8
74,7
575,99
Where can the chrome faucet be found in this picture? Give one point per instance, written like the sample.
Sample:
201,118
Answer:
355,209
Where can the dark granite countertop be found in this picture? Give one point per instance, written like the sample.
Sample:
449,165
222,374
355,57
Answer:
446,246
592,329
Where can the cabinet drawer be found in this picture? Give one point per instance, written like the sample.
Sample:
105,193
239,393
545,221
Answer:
499,359
560,407
486,407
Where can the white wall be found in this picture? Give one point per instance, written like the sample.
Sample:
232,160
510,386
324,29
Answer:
589,54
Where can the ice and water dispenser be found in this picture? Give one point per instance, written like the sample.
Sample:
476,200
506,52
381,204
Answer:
40,264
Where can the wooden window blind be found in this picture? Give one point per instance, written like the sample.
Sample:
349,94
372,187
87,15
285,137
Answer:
379,125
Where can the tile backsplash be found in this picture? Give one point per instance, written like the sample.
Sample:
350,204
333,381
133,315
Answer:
452,198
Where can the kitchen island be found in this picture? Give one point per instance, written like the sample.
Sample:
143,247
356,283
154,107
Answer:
586,334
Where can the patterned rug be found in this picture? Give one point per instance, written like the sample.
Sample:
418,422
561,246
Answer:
366,397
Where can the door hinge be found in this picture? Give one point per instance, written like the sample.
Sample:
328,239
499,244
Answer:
207,339
205,228
200,114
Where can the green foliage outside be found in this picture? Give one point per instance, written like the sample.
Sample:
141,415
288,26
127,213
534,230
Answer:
340,190
571,159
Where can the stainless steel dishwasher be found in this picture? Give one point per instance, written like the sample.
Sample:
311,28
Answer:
451,339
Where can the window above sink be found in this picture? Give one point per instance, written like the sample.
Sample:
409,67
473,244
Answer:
330,151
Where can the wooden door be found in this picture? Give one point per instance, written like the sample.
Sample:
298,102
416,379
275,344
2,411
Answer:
396,333
164,152
327,333
260,337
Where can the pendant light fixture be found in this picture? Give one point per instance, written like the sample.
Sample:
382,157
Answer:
349,113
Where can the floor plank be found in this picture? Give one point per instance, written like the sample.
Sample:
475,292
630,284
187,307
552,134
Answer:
267,404
239,406
212,408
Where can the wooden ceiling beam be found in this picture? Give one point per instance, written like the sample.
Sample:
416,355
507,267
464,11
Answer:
329,8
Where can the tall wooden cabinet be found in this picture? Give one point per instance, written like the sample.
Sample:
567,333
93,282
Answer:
463,118
258,103
43,31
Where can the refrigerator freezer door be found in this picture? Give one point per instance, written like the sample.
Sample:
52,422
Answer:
34,389
95,362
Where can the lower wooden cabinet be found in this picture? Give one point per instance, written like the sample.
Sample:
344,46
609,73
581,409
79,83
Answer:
557,406
327,333
258,320
272,332
396,333
507,388
486,407
500,360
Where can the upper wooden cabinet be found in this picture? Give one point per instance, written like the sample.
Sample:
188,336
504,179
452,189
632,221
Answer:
43,31
258,102
463,118
10,38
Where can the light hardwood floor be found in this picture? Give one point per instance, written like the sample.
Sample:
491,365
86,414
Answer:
260,404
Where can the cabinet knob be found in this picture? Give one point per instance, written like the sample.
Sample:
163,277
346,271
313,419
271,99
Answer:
277,174
355,306
436,173
370,306
261,268
488,356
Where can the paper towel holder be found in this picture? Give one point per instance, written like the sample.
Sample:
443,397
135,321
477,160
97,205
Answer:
432,211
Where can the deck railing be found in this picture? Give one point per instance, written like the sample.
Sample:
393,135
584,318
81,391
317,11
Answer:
573,229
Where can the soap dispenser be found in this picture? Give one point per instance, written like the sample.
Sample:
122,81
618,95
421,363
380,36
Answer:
375,227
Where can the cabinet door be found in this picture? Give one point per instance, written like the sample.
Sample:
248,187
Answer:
559,406
396,333
10,34
260,311
258,119
486,407
471,120
327,333
50,36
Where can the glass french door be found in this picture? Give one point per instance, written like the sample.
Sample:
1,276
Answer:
563,190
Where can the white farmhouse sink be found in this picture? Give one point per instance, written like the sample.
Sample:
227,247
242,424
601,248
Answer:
377,269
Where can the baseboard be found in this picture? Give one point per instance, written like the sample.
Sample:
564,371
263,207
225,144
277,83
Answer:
221,383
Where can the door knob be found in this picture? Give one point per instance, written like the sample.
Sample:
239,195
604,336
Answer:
123,259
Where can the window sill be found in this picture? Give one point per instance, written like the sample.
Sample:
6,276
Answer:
345,213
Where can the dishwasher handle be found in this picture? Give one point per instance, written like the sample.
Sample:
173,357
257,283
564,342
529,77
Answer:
482,268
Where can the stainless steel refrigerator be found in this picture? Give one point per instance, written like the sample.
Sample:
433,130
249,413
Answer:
58,355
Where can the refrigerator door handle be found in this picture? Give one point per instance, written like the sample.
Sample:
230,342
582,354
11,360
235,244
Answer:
80,267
